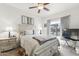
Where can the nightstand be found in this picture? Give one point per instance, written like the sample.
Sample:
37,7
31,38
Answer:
7,44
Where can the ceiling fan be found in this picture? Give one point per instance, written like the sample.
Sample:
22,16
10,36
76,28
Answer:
40,6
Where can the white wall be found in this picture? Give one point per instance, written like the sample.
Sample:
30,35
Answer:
38,25
11,16
74,17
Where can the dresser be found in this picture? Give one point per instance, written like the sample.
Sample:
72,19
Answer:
7,44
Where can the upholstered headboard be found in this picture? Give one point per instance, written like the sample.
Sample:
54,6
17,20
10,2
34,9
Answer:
25,29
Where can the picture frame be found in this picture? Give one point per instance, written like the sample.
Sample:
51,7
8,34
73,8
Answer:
45,25
27,20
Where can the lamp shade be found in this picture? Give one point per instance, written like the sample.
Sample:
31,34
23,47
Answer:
9,29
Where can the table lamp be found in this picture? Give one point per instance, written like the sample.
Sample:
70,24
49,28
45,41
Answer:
9,29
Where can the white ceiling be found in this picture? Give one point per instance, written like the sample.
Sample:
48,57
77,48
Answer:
54,8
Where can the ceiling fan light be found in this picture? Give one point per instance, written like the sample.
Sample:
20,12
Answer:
40,7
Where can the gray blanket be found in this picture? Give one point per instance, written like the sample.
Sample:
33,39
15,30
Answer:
43,41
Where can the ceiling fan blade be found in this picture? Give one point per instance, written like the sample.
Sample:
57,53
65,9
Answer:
45,3
46,9
32,7
39,11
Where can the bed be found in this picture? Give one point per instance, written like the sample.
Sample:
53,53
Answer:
33,47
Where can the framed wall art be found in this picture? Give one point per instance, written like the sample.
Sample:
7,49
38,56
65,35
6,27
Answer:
27,20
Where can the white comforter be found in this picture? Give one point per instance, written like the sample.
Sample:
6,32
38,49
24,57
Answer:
32,47
29,44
